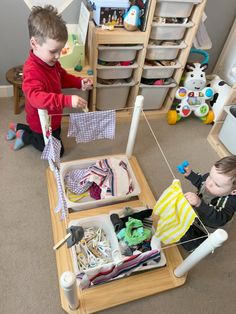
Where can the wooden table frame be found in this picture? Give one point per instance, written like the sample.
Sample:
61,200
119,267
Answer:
123,290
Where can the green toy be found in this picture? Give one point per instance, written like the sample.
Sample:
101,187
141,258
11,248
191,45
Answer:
134,233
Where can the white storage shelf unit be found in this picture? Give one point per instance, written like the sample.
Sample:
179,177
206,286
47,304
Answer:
114,96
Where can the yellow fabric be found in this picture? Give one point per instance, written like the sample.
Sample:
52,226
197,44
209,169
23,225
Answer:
75,197
175,214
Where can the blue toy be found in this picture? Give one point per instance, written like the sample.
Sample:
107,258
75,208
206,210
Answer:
132,18
181,167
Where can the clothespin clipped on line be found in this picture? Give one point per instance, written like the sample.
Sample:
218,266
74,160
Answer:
74,235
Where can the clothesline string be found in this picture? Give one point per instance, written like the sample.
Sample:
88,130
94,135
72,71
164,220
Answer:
68,114
167,163
159,146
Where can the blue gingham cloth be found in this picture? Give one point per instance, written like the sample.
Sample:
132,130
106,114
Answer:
73,180
51,152
90,126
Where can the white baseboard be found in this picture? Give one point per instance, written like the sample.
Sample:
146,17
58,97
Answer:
6,91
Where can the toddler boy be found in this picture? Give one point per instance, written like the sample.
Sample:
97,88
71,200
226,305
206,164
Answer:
43,79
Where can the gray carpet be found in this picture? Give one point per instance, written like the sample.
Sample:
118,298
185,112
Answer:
28,276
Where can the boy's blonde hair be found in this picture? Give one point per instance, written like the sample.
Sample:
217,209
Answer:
227,166
45,22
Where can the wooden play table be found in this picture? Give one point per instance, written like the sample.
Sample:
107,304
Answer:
123,290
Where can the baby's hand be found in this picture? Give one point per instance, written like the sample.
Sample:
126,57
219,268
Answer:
187,171
87,84
78,102
193,199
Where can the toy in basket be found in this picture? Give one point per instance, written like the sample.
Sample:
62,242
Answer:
193,94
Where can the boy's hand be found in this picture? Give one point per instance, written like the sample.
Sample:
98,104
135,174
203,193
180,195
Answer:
78,102
87,84
193,199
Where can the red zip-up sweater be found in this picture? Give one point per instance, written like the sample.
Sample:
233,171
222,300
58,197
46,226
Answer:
42,86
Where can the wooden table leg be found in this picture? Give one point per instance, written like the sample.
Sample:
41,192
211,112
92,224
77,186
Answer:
16,99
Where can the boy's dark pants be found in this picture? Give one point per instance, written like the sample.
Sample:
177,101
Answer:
36,139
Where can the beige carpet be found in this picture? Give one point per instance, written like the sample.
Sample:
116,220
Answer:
28,276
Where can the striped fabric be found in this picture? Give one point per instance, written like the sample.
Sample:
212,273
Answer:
90,126
175,214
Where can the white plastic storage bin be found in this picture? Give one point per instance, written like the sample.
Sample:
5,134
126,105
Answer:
169,31
107,11
118,53
160,71
89,202
175,8
103,222
164,52
228,130
115,71
112,96
154,95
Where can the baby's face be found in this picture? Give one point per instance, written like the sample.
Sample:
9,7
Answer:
49,51
218,184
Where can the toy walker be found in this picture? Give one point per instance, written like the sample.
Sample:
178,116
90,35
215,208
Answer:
194,93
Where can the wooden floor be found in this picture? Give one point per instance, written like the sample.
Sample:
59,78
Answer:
123,290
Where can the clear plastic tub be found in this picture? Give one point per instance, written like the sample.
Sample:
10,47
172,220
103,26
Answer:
175,8
112,96
162,71
164,52
154,95
88,202
169,31
115,71
118,53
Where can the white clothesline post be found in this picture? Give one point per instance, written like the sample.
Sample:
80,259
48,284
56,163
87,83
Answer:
44,120
138,107
215,239
68,285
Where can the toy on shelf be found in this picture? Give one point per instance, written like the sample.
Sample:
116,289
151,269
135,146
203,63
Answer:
194,93
132,18
181,167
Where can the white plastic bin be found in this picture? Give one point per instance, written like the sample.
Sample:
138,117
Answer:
164,52
228,130
169,31
115,71
154,95
112,96
88,202
107,11
118,53
160,71
103,222
175,8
